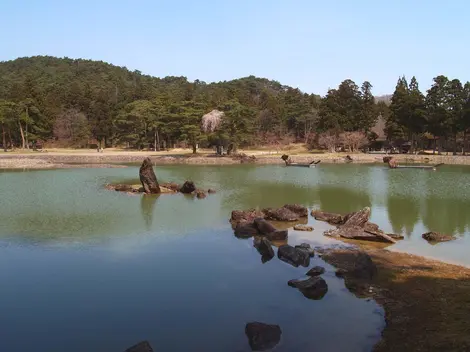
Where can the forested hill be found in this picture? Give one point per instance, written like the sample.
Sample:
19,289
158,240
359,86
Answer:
74,100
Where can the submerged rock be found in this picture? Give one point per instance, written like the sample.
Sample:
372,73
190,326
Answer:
262,337
331,218
148,178
437,237
278,235
188,187
313,288
293,256
306,248
143,346
316,271
246,230
303,228
264,227
264,247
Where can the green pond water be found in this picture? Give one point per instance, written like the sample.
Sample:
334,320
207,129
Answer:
86,269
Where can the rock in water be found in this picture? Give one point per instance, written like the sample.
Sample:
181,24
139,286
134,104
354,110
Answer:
263,226
211,191
306,248
293,256
278,235
246,230
298,209
437,237
303,228
143,346
262,337
188,187
148,178
313,288
359,218
331,218
316,271
264,248
201,194
280,214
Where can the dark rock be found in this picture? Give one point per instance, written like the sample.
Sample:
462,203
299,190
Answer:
211,191
300,210
280,214
313,288
306,248
316,271
148,178
263,226
143,346
200,194
437,237
188,187
262,337
303,228
331,218
246,230
355,266
278,235
359,218
264,248
293,256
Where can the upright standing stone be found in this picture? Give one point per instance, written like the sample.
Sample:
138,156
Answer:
148,178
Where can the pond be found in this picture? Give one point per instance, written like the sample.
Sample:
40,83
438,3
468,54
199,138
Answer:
96,270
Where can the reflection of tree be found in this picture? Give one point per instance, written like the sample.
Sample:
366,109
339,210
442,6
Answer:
446,215
403,213
342,200
147,205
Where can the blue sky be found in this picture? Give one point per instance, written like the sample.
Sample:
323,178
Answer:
309,44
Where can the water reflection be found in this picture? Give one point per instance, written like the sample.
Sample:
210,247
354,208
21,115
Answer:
403,213
147,206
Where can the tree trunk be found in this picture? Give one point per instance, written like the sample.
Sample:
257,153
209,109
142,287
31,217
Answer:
455,145
158,139
464,142
412,143
155,140
22,134
26,136
435,145
11,139
194,148
4,138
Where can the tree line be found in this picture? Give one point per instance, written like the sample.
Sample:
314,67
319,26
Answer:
75,103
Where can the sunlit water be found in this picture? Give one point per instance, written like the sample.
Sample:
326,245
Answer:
86,269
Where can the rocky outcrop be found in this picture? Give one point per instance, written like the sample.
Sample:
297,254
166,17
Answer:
278,235
245,216
358,218
303,228
316,271
331,218
314,287
300,210
354,265
148,178
188,187
437,237
280,214
143,346
264,247
359,233
262,337
264,227
293,256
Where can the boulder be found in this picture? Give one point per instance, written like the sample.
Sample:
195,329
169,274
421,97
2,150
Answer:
245,215
313,288
359,218
264,248
246,230
278,235
316,271
300,210
188,187
143,346
148,178
280,214
358,233
262,337
303,228
306,248
263,226
331,218
293,256
437,237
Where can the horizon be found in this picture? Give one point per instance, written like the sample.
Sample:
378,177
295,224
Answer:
215,42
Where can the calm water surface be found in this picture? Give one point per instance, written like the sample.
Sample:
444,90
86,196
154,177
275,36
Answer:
85,269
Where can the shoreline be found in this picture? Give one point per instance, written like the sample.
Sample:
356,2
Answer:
79,159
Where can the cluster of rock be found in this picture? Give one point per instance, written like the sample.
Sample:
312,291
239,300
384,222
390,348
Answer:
150,185
355,225
435,237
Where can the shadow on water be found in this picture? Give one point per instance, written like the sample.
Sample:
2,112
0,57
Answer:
147,206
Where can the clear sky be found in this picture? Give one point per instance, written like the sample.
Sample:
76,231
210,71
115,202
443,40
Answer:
309,44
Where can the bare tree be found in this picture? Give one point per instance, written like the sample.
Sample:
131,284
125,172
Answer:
354,140
71,128
328,140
